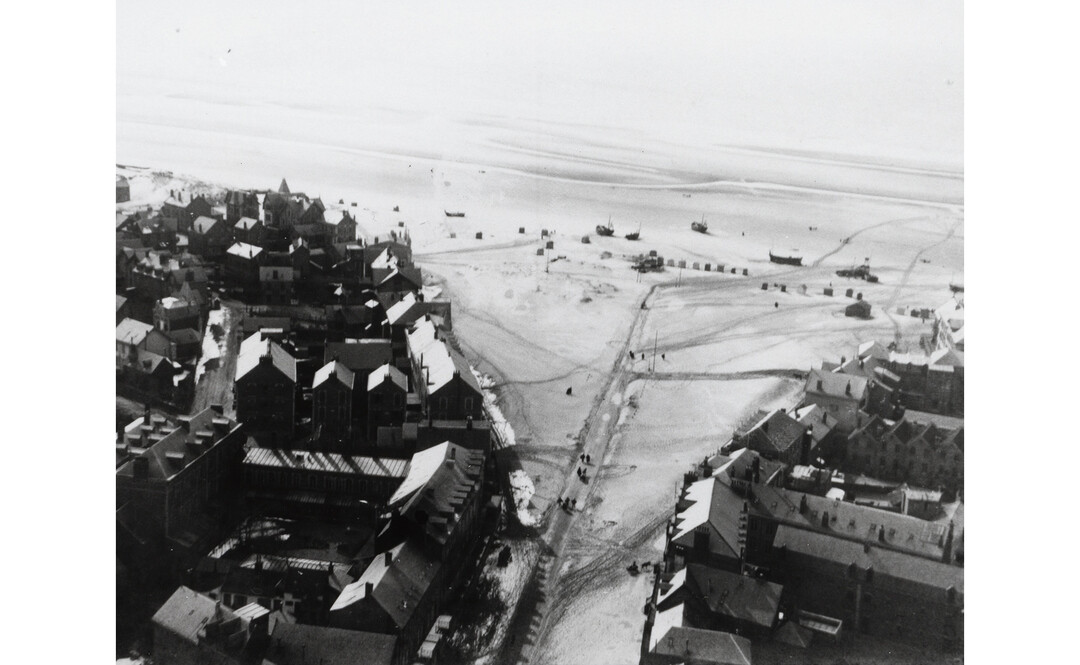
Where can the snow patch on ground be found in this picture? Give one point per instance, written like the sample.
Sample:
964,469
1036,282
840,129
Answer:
498,421
212,349
522,490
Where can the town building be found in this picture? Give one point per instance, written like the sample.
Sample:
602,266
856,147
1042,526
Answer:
277,284
242,263
173,313
909,450
312,483
666,640
387,392
949,326
436,515
239,204
193,629
334,396
299,644
840,395
123,189
169,486
248,230
446,385
266,390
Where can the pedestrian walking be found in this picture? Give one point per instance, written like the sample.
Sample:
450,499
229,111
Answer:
582,457
570,390
588,459
776,305
573,504
663,356
631,355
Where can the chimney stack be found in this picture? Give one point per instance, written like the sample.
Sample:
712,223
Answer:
389,558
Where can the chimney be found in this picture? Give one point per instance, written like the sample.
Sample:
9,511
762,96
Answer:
866,547
947,552
824,417
807,443
825,520
847,390
820,386
468,422
369,589
881,534
389,558
803,505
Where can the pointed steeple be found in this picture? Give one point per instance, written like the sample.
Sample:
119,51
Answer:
284,188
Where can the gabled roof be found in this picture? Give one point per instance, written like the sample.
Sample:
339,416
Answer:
186,613
884,562
184,336
246,223
300,644
255,347
284,187
715,504
400,310
774,433
397,586
337,370
439,482
132,332
334,217
120,302
847,386
679,643
203,224
386,373
165,456
442,362
244,250
737,596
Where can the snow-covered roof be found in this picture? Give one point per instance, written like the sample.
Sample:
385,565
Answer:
334,368
836,385
244,250
203,224
385,259
132,332
246,223
697,513
400,308
385,373
255,347
422,468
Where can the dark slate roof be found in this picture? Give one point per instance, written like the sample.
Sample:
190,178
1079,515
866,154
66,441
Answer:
166,455
298,644
737,596
884,562
365,355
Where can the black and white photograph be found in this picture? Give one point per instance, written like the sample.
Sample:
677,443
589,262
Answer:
615,333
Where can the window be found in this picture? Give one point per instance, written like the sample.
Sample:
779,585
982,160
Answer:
468,404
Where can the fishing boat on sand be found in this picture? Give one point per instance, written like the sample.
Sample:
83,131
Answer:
454,214
786,260
700,227
635,235
608,230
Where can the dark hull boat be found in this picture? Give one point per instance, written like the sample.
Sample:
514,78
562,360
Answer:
786,260
454,214
633,236
605,230
700,227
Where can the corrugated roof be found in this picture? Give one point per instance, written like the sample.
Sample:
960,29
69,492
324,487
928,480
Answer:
327,462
